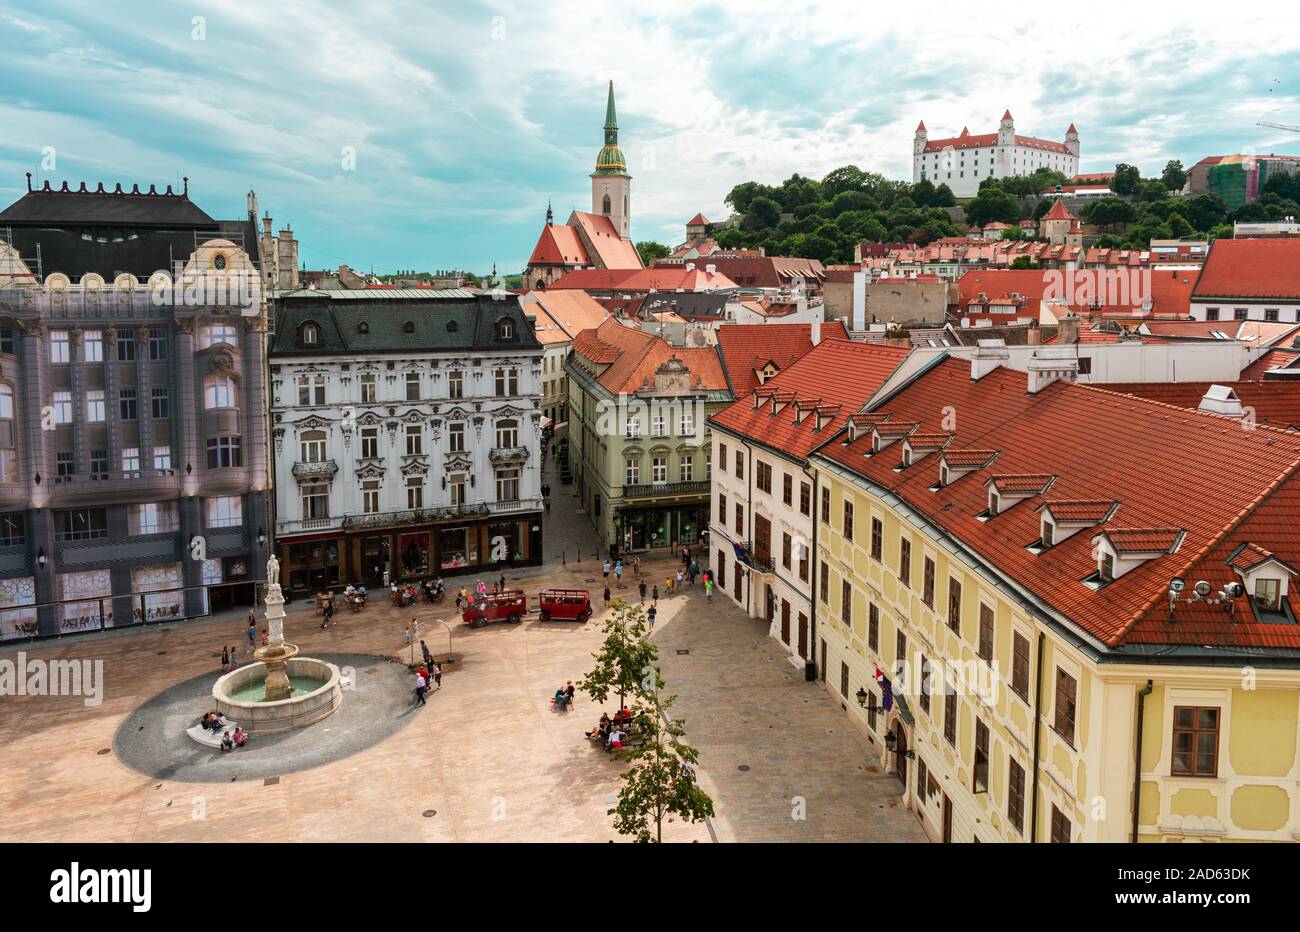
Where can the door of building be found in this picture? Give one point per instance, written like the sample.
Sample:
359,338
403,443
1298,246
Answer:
821,670
900,749
803,635
739,600
769,615
947,819
785,622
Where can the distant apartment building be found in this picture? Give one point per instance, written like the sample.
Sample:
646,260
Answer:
133,468
963,161
1249,279
1238,179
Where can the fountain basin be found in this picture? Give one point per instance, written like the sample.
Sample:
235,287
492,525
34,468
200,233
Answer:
259,717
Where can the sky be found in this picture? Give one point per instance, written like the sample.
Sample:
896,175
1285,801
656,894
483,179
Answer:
405,135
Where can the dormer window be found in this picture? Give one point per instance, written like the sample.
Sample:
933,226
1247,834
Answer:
1268,594
1266,577
1046,535
310,334
408,327
505,329
1106,568
363,327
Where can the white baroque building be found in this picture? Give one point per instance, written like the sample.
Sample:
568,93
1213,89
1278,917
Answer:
963,161
406,436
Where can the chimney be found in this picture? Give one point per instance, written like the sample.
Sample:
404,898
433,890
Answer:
1050,364
988,355
690,266
816,331
1067,333
859,300
711,269
1035,336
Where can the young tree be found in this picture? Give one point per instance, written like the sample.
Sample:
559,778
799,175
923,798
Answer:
661,782
624,656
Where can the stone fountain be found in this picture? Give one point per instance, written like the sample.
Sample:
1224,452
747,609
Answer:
294,691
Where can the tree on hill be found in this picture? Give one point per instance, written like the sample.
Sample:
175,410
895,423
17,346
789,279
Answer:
990,204
1173,177
1126,179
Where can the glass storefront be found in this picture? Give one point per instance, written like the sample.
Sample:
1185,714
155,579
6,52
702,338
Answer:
458,548
374,561
413,554
314,566
503,542
655,528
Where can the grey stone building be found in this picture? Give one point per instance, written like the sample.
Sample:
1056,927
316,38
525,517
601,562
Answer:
133,452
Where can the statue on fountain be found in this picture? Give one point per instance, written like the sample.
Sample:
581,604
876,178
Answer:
276,654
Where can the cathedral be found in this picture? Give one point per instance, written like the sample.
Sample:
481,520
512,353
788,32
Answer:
598,240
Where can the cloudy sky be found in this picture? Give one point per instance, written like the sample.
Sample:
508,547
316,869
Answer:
464,118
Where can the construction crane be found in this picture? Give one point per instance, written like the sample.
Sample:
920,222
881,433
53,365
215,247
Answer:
1289,129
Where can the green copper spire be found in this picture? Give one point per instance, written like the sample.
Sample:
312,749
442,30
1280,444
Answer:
610,161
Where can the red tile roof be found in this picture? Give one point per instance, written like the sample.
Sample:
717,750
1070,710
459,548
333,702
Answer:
697,221
665,278
748,347
1059,212
1170,470
612,251
1273,359
1273,403
1079,510
559,245
630,357
1143,540
837,374
1251,268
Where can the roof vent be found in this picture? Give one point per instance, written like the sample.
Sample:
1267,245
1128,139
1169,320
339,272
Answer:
1120,550
988,355
1221,399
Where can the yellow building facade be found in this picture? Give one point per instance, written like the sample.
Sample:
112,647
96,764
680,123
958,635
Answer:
1044,719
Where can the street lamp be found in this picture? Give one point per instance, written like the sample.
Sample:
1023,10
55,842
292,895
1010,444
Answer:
891,742
40,558
261,537
862,697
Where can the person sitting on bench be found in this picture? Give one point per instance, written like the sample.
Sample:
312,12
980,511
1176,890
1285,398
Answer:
615,739
213,721
227,743
602,728
239,737
564,695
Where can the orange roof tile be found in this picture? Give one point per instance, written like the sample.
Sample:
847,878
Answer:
1251,268
748,347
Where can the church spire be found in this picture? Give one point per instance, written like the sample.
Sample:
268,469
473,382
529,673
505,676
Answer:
550,217
610,161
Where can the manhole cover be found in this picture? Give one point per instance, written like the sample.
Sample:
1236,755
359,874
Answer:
429,813
682,653
743,768
102,751
271,781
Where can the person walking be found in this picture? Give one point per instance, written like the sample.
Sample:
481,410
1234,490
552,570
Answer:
252,631
234,657
694,571
607,595
605,570
636,566
421,685
680,577
225,659
650,616
415,628
424,651
408,632
642,588
502,581
654,595
618,573
708,589
437,675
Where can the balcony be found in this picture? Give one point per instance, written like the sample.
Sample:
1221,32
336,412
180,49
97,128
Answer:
661,489
284,528
413,516
325,469
506,454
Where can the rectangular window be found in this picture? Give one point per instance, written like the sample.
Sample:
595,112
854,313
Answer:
1015,794
368,395
848,521
805,498
949,713
154,518
95,406
877,539
905,562
900,661
414,440
1196,741
740,466
846,602
803,561
126,346
1060,827
214,334
315,501
508,484
763,477
954,604
412,386
224,453
93,341
457,486
1020,666
80,524
369,443
740,519
370,496
455,384
826,506
658,469
687,426
506,382
1268,594
157,344
415,492
632,471
925,685
98,462
13,530
844,679
873,627
225,511
60,347
686,468
160,404
787,489
311,391
986,633
127,405
722,509
62,407
981,767
456,437
824,586
131,461
65,463
1066,688
162,458
787,549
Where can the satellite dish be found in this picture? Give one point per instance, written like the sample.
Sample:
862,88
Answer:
1176,584
1234,590
1203,589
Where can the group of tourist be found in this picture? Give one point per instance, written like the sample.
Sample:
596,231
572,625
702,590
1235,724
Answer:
612,732
214,722
427,673
355,596
563,697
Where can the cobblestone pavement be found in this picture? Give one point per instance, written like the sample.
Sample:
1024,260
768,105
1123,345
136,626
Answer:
746,705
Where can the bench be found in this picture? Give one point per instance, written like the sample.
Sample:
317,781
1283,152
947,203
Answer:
210,739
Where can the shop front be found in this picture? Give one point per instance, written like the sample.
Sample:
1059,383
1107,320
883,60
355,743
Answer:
377,556
657,527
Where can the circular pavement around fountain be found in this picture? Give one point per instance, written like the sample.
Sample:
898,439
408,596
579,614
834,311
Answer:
152,739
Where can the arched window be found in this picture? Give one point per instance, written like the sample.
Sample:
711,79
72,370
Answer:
219,392
605,205
408,327
310,334
452,326
313,446
363,327
505,329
